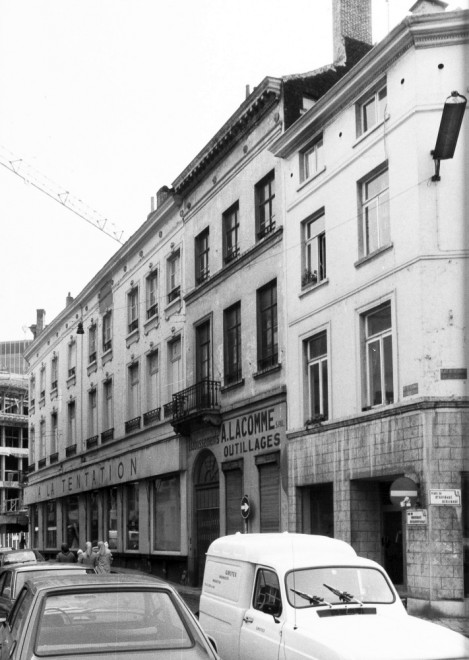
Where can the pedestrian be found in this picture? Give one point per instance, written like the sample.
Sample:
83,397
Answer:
65,556
80,554
88,557
104,559
22,542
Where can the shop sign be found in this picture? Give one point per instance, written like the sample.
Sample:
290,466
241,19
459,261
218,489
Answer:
417,517
445,496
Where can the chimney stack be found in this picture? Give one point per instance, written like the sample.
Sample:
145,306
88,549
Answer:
428,7
162,195
40,321
68,300
351,19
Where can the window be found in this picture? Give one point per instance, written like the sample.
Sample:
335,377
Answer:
131,514
92,347
232,344
72,359
265,195
133,391
42,440
371,110
153,381
267,335
375,212
54,433
42,382
54,372
202,270
132,310
268,466
108,409
314,250
92,413
107,331
312,159
233,495
71,424
231,234
32,391
152,294
203,351
267,595
51,524
174,367
174,276
32,445
111,517
316,356
379,362
70,516
167,514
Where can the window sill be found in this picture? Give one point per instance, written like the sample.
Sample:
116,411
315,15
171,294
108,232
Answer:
269,370
172,307
54,394
312,287
107,356
91,368
373,255
71,381
305,182
152,322
371,130
232,386
132,337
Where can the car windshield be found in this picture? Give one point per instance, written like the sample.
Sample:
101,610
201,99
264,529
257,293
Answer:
331,585
110,621
21,576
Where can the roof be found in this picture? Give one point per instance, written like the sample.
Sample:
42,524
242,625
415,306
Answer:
41,566
282,548
113,580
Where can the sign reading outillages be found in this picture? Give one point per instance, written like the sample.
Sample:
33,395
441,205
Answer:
404,492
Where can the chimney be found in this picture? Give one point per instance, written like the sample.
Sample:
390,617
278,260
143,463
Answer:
40,319
352,19
162,195
68,300
428,7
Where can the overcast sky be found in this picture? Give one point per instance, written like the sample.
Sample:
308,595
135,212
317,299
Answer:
110,100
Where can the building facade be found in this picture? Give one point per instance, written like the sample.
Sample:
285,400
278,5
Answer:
13,441
377,311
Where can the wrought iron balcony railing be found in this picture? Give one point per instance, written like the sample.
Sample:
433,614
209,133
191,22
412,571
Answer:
196,405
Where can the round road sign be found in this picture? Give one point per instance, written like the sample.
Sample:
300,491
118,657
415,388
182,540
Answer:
404,492
245,507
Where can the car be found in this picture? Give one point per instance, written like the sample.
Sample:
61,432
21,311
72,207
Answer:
301,596
103,617
12,578
17,557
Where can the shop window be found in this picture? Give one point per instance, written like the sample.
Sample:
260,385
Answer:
34,513
51,524
167,514
111,517
93,515
268,466
132,517
70,512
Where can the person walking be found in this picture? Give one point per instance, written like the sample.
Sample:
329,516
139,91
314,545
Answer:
104,559
88,558
65,556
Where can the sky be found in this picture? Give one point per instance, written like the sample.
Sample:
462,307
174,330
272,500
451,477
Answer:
108,100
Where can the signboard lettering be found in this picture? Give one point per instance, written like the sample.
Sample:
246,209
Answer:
445,496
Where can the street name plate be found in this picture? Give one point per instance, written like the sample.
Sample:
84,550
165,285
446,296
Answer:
417,517
445,496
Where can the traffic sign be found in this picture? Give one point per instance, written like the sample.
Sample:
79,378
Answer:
245,507
404,492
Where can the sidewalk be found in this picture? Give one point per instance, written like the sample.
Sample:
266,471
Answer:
460,625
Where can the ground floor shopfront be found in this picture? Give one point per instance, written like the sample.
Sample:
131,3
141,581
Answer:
160,506
340,477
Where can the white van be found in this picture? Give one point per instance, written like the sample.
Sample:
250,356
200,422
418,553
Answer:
291,596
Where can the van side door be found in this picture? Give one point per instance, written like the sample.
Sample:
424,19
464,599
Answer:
261,628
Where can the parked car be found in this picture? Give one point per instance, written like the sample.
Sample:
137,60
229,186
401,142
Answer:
298,596
17,557
102,616
12,578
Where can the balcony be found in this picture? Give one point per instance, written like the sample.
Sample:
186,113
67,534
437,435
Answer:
133,424
152,416
107,436
54,458
196,407
71,450
42,462
92,442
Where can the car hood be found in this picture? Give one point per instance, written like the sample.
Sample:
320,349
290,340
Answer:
368,637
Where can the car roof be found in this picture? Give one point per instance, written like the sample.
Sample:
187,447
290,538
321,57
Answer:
42,566
83,581
283,550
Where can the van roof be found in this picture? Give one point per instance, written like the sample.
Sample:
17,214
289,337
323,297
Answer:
279,548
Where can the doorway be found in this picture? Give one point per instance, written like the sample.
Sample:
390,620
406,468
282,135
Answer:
207,508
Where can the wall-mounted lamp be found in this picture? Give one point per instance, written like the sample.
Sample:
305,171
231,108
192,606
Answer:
450,124
80,329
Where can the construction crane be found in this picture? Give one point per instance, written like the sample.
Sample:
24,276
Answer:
58,193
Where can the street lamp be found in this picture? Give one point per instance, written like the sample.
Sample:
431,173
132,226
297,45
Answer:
450,124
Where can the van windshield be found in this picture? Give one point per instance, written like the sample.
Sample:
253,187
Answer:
334,585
